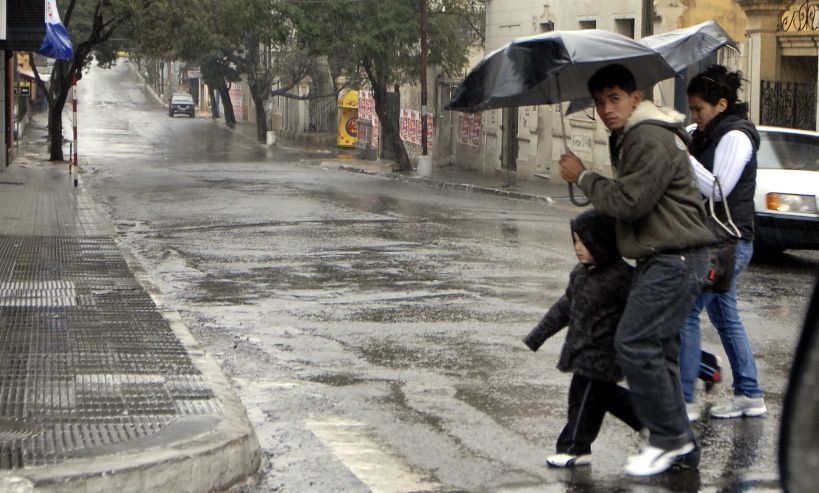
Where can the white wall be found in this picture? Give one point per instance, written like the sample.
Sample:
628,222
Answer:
541,138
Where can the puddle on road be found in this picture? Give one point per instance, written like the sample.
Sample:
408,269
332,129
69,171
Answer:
337,379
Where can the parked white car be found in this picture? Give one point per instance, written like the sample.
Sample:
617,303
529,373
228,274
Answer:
787,191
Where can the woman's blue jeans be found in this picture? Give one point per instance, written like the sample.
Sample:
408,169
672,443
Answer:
723,313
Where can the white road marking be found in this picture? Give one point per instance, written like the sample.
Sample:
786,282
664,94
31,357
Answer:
374,464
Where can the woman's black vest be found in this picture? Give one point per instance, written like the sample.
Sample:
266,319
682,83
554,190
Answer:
704,146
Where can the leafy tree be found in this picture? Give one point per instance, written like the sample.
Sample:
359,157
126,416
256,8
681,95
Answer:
194,31
382,38
91,25
227,39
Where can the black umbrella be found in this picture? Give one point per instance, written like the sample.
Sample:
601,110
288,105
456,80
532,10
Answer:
684,47
554,67
681,48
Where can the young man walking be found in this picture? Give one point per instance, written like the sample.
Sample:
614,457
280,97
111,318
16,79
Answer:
661,224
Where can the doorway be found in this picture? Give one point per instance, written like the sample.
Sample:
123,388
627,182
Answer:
509,148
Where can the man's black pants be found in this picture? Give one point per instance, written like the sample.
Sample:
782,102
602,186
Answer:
588,402
648,340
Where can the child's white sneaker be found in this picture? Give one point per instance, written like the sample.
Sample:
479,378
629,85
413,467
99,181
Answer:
568,460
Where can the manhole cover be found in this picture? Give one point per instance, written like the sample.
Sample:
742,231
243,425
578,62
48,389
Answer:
15,430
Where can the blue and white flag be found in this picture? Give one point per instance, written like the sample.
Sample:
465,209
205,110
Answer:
56,44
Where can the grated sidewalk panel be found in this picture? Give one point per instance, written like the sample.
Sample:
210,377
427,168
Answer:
86,359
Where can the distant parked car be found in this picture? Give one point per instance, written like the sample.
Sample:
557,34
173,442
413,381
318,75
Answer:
787,191
181,103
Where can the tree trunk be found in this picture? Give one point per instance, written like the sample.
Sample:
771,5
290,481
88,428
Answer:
259,94
55,133
214,106
227,104
392,136
320,77
261,119
60,85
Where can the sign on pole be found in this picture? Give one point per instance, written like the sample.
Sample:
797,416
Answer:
3,20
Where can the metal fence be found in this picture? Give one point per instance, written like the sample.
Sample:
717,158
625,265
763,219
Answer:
788,104
322,116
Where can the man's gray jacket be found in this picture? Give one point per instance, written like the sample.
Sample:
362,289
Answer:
653,195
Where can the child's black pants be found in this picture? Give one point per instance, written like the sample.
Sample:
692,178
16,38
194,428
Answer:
588,402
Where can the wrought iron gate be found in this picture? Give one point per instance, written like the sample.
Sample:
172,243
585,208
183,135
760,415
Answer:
322,115
788,104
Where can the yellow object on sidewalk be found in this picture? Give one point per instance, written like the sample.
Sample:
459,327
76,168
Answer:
347,119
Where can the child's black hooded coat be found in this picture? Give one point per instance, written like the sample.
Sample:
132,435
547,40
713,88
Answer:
592,304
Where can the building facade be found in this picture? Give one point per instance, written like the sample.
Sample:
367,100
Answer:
525,143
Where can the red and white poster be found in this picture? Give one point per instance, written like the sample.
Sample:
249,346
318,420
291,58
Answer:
469,129
430,132
375,142
236,100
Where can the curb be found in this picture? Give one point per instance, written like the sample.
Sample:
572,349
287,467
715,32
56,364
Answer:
465,187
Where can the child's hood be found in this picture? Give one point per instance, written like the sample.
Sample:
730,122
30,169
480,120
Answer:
597,231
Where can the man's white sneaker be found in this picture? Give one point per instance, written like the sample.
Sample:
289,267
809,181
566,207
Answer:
693,411
568,460
653,460
740,405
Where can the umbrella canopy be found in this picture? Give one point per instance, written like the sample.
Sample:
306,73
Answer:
554,67
684,47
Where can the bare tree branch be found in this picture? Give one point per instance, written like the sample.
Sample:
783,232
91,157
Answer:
40,82
478,31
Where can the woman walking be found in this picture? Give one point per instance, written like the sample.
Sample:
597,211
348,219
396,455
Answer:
724,147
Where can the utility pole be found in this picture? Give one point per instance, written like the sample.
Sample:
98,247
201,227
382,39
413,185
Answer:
424,50
647,29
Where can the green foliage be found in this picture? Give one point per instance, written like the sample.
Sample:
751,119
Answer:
386,33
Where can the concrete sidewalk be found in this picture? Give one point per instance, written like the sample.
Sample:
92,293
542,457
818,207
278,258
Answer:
102,387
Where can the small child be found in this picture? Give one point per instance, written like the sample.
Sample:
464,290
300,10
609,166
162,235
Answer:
591,307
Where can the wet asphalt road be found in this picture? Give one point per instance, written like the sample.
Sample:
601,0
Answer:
372,327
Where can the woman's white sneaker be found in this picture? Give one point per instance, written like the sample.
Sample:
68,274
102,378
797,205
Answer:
740,405
568,460
693,411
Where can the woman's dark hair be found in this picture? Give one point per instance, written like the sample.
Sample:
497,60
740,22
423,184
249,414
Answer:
715,83
614,75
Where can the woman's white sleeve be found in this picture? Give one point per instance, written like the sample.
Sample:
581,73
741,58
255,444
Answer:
733,152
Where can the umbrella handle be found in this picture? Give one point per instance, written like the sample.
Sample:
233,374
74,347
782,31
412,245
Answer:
576,202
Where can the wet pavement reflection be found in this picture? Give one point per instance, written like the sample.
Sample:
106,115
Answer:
396,308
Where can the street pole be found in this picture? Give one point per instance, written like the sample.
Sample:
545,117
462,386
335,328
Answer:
76,163
647,29
424,50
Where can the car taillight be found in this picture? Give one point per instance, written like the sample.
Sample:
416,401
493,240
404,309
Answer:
787,202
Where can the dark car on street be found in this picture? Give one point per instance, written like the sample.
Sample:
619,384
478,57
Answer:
787,191
181,103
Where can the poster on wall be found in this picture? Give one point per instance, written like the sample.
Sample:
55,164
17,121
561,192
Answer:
463,122
476,129
403,124
236,100
375,133
469,129
430,132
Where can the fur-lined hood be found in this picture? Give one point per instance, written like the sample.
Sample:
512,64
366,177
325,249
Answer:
648,112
